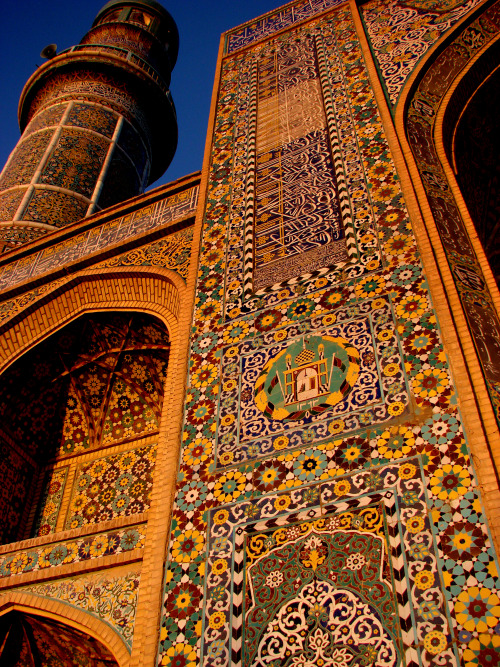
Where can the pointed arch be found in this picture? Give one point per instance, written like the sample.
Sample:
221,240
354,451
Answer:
428,108
158,293
71,617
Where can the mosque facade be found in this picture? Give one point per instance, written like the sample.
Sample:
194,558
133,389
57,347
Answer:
251,418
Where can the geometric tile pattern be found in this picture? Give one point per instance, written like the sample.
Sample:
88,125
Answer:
108,596
50,503
411,470
96,382
401,32
73,551
118,485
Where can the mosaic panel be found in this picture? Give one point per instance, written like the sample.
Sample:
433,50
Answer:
295,607
117,485
339,377
73,551
51,116
26,157
93,117
50,503
297,210
436,567
54,208
144,220
75,162
9,202
110,597
469,280
358,510
275,21
401,32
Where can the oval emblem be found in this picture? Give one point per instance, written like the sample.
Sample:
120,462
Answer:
308,377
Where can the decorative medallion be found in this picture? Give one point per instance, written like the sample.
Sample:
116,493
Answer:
308,377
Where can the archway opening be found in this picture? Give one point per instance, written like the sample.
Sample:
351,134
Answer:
476,161
27,640
78,414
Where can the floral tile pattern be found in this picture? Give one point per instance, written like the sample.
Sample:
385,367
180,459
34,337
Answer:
288,572
402,31
73,551
378,392
117,485
283,460
108,596
50,503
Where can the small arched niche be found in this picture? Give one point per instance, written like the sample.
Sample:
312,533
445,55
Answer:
78,417
27,640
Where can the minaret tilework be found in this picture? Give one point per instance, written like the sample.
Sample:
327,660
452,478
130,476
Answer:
98,124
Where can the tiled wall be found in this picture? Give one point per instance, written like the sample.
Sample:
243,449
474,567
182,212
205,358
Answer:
327,509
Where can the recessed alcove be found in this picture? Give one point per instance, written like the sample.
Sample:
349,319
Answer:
79,414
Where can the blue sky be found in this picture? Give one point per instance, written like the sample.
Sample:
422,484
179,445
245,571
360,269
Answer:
29,25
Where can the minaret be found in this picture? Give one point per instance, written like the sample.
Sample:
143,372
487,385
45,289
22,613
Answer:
98,123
